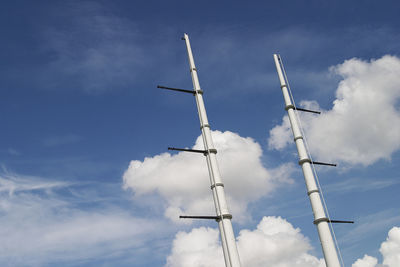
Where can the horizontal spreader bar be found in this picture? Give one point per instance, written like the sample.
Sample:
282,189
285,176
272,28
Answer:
323,163
177,89
200,217
308,110
337,221
188,150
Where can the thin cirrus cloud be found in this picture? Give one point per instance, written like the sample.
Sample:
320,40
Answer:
363,125
12,183
61,140
371,223
359,184
278,244
43,224
182,179
92,51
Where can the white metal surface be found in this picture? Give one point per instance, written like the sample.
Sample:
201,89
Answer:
231,255
320,219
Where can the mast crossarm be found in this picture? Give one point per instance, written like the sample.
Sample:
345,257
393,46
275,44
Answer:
199,217
205,152
308,110
193,92
323,163
217,218
338,221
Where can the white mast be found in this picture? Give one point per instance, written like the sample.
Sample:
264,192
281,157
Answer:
320,219
224,217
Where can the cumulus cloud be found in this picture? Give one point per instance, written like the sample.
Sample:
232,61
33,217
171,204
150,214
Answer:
390,250
367,261
278,244
280,135
199,247
363,125
182,179
43,224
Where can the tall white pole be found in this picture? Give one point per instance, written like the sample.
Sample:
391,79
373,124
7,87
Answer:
225,225
320,219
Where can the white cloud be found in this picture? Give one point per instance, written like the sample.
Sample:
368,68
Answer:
367,261
11,183
200,247
278,244
363,125
390,250
280,135
183,181
42,223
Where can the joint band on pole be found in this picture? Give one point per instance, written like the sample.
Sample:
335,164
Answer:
199,91
177,89
216,184
308,110
204,125
312,191
321,220
323,163
193,69
283,85
212,150
297,137
188,150
289,107
304,160
224,216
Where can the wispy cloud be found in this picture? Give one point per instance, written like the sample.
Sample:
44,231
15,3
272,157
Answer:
389,249
93,51
13,152
41,224
12,183
370,224
359,184
61,140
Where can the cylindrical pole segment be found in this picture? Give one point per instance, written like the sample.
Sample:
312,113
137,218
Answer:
231,255
320,219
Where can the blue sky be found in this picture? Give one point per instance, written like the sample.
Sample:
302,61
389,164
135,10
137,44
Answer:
78,103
